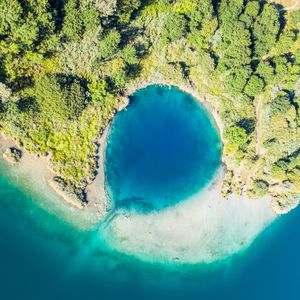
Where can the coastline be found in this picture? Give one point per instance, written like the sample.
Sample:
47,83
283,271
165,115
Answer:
39,170
204,228
95,192
187,88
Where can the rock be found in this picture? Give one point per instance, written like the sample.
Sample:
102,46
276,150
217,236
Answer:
283,206
12,155
65,193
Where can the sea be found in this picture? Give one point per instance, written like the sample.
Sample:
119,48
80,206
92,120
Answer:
43,255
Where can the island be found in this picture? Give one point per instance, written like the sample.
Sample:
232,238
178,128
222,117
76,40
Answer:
67,67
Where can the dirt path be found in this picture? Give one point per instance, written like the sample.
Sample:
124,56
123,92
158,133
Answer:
258,149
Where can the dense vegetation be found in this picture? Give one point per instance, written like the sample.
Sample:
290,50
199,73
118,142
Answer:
65,66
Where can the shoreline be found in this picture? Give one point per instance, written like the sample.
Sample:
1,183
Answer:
37,164
187,88
204,228
96,194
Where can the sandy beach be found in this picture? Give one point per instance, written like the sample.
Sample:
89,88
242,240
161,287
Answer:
34,173
202,229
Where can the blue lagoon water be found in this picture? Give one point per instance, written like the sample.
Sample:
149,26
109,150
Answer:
44,257
162,149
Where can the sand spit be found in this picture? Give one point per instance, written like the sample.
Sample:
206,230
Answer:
203,229
34,172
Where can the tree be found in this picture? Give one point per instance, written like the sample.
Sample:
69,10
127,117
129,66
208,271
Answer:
259,188
28,32
295,18
5,92
76,99
109,44
202,23
59,99
250,13
254,86
129,55
73,25
126,8
252,9
236,135
234,48
91,19
237,79
175,28
104,8
280,105
10,16
265,30
265,71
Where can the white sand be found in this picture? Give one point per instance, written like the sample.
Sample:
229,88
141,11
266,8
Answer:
33,175
204,228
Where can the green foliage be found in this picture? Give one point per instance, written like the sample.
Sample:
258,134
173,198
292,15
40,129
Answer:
266,71
65,65
10,16
73,25
254,86
202,23
259,188
280,105
237,79
126,8
28,32
236,135
59,100
91,19
109,44
129,55
174,28
295,18
252,9
265,30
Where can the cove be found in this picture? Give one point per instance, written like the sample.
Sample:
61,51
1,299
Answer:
161,149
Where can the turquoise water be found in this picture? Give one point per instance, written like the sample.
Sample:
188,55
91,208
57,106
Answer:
44,257
162,149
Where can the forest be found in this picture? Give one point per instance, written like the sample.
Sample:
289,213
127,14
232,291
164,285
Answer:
66,65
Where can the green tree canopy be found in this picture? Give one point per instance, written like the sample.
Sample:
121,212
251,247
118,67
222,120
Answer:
175,28
109,44
236,135
265,30
10,16
254,86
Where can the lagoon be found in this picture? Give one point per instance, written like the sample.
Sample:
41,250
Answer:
45,255
163,148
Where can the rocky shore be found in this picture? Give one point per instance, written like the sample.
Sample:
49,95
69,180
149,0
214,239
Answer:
95,196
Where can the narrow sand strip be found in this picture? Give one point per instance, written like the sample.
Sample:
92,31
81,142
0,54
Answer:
33,174
203,229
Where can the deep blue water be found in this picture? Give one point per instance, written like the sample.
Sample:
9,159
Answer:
162,149
44,257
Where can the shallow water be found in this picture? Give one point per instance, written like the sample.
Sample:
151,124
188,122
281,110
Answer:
161,149
44,256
